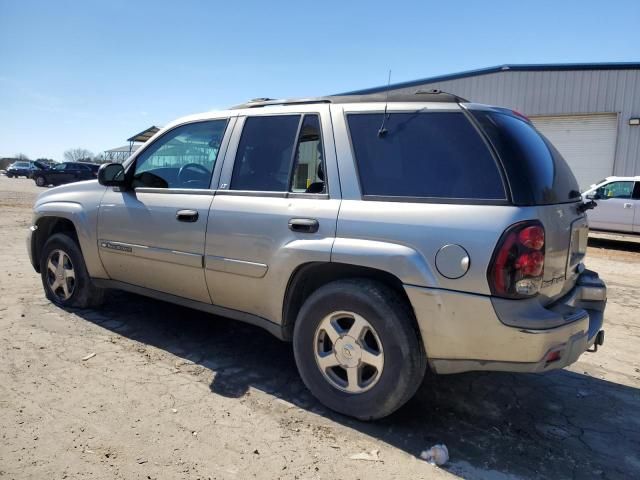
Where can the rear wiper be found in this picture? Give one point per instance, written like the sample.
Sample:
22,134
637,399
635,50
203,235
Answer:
590,205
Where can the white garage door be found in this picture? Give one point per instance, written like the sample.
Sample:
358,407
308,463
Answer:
587,142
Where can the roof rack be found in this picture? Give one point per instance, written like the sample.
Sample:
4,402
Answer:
419,96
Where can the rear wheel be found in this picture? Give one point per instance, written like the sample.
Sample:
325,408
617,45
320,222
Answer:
40,181
64,274
357,348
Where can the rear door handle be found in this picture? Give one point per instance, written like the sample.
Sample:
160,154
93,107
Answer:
304,225
187,216
628,205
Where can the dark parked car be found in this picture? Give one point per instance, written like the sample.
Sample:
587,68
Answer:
20,169
64,173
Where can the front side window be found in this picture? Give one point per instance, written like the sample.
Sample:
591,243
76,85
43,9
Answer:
423,154
60,167
615,190
182,158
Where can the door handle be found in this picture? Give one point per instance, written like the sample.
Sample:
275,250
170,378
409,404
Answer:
628,205
304,225
187,215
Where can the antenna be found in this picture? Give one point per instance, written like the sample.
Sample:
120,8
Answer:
383,131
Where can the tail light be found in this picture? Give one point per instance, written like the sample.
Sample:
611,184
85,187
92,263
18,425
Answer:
518,261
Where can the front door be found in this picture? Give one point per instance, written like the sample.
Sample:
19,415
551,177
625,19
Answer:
615,210
276,209
153,234
61,173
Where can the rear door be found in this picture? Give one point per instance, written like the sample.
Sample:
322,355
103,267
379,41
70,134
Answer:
276,208
616,207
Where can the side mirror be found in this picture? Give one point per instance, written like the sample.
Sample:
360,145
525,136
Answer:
111,175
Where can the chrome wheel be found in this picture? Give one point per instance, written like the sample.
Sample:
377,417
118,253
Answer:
61,277
348,352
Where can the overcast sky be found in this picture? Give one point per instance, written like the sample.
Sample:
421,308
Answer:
92,73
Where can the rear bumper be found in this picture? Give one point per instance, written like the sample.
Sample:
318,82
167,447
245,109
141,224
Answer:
464,332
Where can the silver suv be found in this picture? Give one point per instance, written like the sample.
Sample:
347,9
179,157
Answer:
379,235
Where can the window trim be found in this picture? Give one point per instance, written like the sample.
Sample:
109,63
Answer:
267,193
436,200
217,167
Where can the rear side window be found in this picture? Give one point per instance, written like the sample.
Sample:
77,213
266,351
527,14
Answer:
308,169
537,173
265,153
426,155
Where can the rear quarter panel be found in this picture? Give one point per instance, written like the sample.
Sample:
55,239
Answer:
422,229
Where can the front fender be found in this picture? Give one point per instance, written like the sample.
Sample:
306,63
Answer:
84,220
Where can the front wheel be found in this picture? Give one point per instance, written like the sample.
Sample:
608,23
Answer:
357,348
40,181
64,275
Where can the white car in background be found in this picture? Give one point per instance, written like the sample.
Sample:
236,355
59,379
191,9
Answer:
618,200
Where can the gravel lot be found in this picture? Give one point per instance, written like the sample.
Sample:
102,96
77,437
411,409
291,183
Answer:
174,393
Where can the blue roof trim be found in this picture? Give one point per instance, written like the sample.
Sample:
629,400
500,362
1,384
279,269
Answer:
542,67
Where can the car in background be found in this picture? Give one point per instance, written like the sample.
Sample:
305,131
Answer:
66,172
20,169
618,200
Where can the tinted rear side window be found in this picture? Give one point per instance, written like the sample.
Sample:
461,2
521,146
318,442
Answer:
426,155
537,173
265,153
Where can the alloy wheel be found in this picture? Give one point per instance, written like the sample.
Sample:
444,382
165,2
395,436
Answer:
61,277
348,352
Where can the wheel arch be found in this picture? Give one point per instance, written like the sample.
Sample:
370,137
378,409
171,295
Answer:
309,277
46,226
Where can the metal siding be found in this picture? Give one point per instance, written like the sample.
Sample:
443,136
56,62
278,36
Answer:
564,92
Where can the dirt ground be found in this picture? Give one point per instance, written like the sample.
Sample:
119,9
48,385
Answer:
174,393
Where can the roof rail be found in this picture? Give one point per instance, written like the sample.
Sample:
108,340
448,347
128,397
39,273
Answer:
432,95
265,102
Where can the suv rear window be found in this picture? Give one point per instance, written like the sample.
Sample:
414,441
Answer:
423,155
537,173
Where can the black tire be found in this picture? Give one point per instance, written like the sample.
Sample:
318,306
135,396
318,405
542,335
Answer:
393,320
9,175
40,181
84,294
